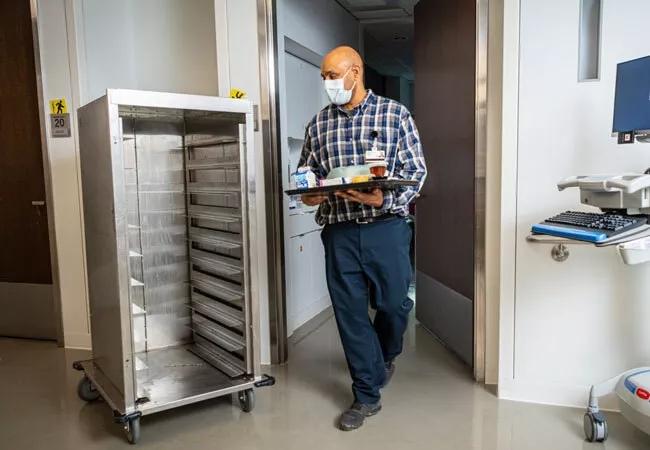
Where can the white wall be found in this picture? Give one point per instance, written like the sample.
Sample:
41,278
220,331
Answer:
63,158
319,27
88,46
565,325
158,45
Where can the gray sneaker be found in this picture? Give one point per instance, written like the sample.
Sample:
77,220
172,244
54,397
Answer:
390,370
353,418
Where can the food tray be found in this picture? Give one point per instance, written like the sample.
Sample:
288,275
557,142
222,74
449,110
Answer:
382,184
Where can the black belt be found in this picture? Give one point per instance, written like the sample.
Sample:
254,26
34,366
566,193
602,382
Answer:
367,220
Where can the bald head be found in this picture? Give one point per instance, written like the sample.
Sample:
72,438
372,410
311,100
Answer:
339,60
345,62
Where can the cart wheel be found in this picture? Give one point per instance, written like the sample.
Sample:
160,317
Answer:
247,400
87,391
595,426
132,430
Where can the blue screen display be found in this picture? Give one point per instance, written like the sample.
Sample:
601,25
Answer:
632,105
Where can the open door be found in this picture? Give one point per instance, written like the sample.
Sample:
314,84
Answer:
450,213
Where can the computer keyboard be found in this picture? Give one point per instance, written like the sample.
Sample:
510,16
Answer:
590,227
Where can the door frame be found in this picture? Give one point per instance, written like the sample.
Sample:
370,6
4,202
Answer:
49,202
480,183
269,101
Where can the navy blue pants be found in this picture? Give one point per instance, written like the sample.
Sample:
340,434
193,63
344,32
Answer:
369,264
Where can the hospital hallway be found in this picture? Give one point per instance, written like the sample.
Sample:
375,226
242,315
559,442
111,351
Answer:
432,403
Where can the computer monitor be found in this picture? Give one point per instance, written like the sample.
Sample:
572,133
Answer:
632,104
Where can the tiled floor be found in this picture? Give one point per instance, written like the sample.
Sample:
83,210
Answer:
432,403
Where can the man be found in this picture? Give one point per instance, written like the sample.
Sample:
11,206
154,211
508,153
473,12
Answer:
366,236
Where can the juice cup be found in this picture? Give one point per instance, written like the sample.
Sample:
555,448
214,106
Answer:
378,169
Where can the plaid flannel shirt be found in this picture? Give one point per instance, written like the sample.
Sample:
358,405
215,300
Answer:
337,137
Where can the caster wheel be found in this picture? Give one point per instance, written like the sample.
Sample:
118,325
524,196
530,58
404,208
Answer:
247,400
132,430
87,391
595,425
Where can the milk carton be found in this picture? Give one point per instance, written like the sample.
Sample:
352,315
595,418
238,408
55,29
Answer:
304,178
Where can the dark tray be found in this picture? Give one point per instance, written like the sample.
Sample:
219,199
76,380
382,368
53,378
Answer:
383,184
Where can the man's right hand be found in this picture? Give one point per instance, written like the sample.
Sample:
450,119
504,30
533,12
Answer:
313,199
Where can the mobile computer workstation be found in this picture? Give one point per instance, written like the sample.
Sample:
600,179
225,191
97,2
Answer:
623,219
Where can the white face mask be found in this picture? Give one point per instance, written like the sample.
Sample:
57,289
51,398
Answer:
336,90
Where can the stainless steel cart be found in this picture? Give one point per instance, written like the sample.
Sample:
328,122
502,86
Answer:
169,209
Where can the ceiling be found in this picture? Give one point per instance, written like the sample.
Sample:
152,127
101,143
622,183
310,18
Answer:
388,33
379,9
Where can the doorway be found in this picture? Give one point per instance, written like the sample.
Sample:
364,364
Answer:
431,57
439,74
27,297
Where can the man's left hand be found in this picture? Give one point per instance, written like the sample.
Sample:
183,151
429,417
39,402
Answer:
375,198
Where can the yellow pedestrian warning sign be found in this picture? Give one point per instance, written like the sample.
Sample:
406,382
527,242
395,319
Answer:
58,106
237,93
